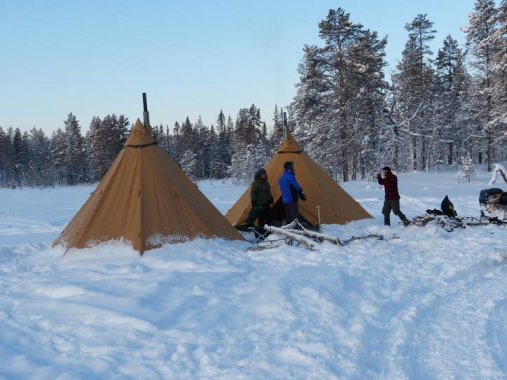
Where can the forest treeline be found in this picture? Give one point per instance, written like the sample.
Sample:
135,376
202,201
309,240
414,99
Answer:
437,108
69,157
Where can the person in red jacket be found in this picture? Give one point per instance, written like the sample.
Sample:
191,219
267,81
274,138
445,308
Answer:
392,199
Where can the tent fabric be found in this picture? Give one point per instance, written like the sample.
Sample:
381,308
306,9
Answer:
290,145
323,194
146,199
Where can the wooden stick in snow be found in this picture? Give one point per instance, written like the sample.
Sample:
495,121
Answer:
317,235
305,236
308,243
376,236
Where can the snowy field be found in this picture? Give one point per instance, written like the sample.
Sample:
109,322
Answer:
421,304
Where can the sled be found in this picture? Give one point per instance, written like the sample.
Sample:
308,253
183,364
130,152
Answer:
493,203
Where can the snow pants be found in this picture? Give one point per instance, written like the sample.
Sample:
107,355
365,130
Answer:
291,212
262,213
394,205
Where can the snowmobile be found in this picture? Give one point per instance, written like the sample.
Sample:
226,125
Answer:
493,204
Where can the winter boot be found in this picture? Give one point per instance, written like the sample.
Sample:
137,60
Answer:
387,222
406,222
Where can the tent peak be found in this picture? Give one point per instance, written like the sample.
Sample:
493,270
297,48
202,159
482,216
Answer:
290,145
139,135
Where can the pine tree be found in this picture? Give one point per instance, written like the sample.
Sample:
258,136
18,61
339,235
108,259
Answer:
189,164
243,165
309,107
340,34
155,133
390,142
4,145
248,126
338,104
202,148
20,157
106,139
467,167
451,81
248,140
222,153
121,132
213,156
481,27
5,156
221,125
367,78
58,148
177,147
99,149
261,153
74,163
414,82
164,139
169,148
40,172
497,39
230,124
277,134
187,141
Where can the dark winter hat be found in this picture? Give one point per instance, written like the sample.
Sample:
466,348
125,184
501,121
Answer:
386,168
260,172
288,165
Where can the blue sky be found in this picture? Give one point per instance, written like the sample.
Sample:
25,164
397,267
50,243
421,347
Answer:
193,57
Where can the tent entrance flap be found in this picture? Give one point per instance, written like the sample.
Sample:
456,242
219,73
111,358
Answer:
278,211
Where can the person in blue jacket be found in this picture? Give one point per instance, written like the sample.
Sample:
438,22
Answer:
291,192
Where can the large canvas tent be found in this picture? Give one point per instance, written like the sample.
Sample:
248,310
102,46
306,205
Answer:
323,194
146,199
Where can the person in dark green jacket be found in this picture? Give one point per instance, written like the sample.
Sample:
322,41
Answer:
261,198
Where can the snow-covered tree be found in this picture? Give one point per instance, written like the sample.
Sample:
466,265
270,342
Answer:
487,47
40,171
58,148
189,164
249,144
20,157
99,155
367,77
5,158
449,99
277,134
74,152
221,159
204,143
414,82
339,98
498,41
467,167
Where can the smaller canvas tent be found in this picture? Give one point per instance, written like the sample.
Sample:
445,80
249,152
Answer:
146,199
323,194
